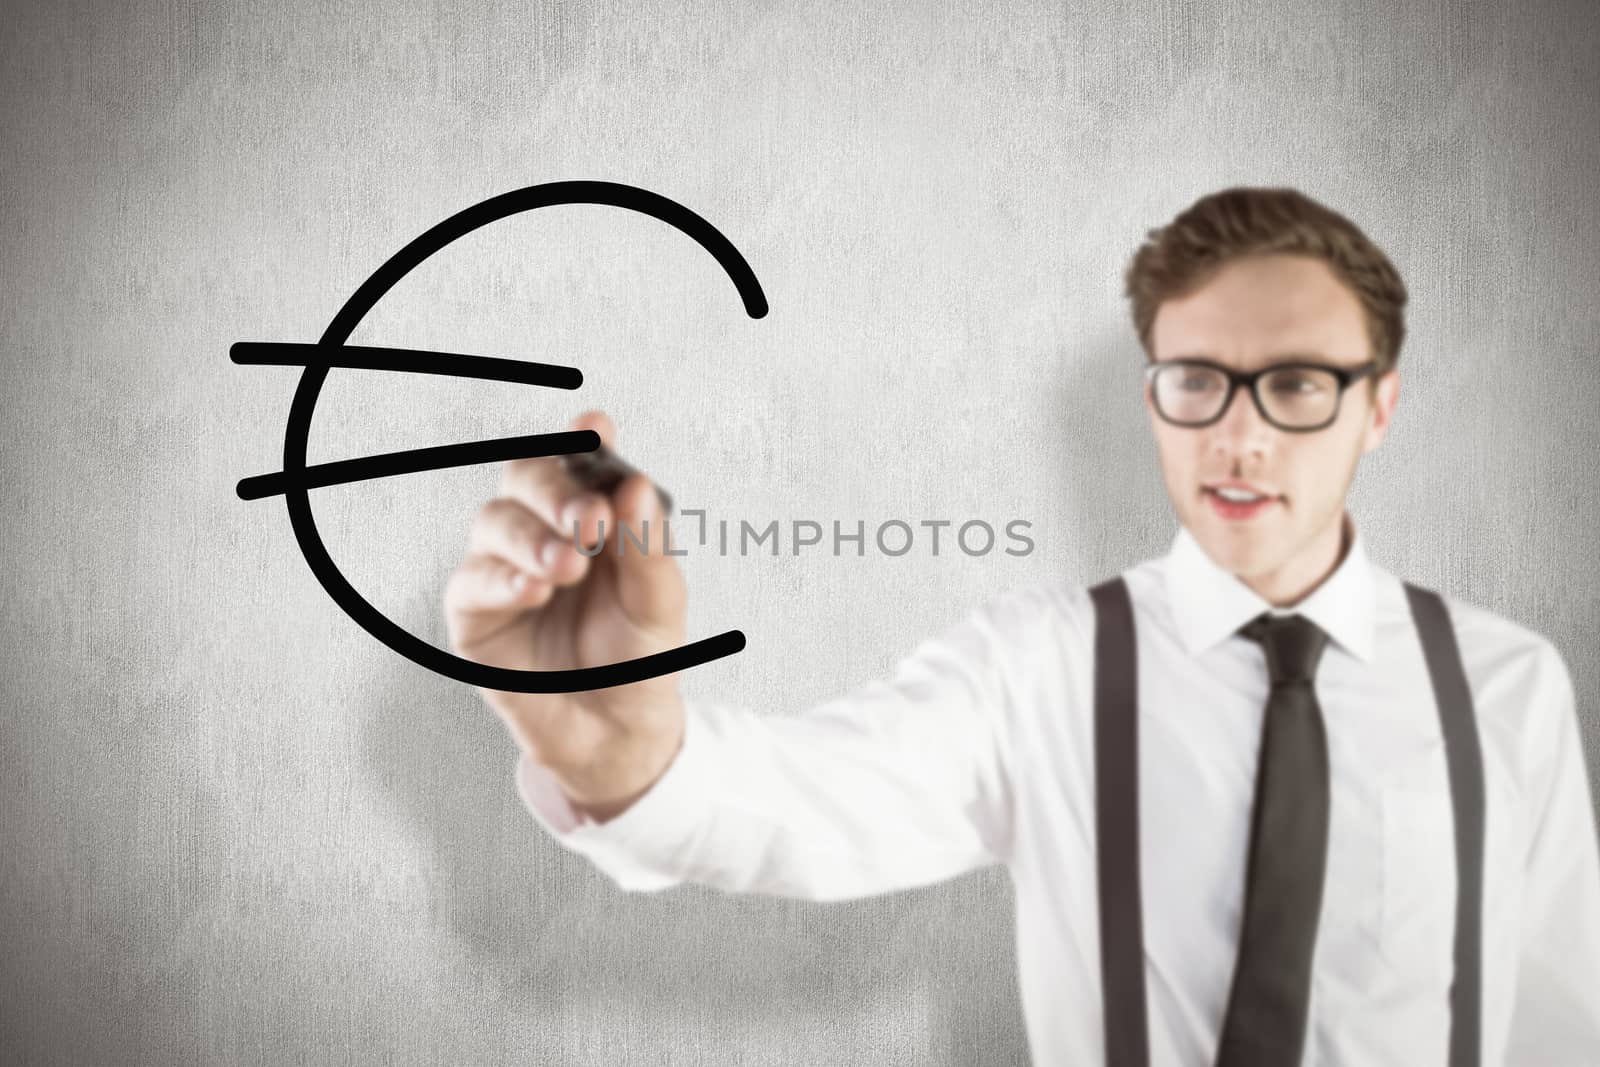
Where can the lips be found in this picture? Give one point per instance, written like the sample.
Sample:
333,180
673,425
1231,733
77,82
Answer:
1248,500
1239,487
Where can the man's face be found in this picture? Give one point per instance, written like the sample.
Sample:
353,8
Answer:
1257,311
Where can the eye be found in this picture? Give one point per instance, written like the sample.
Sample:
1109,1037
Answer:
1296,383
1196,381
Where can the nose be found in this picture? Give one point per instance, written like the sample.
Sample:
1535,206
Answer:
1242,431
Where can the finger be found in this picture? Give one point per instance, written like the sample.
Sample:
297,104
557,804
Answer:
598,421
507,529
649,585
484,593
543,486
583,511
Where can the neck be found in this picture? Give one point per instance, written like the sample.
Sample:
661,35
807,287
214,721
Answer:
1291,583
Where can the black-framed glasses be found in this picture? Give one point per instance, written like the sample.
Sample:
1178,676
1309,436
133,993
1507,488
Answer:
1297,397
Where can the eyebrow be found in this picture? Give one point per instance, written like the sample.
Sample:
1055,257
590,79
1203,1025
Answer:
1275,358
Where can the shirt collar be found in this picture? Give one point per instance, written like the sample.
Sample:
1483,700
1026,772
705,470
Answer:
1210,604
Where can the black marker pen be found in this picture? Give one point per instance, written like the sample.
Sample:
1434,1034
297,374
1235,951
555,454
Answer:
603,470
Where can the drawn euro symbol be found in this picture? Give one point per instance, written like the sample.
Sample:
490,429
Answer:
296,479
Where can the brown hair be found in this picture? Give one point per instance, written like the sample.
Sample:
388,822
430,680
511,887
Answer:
1181,256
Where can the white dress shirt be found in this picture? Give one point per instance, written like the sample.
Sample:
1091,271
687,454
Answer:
979,749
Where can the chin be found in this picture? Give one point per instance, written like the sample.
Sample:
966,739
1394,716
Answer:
1231,556
1242,549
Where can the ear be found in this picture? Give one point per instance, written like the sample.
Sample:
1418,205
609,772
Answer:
1385,395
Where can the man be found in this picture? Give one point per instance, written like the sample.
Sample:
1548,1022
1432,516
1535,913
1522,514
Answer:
1352,832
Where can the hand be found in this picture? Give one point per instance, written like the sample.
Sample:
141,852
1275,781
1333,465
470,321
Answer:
525,598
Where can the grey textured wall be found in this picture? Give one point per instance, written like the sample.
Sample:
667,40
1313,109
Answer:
236,829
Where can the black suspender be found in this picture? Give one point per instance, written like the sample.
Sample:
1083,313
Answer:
1465,761
1116,797
1116,750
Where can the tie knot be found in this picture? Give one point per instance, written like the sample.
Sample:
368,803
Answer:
1293,644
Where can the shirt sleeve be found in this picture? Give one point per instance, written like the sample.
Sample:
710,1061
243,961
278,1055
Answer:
899,783
1556,1018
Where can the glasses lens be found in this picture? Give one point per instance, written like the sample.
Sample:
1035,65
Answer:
1300,396
1187,393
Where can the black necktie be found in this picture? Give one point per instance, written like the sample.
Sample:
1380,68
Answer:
1267,1006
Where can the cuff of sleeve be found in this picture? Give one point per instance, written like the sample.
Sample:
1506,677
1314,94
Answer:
647,846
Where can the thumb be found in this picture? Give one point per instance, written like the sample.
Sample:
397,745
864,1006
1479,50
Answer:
648,580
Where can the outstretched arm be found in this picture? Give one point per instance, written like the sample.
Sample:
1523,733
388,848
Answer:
899,783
